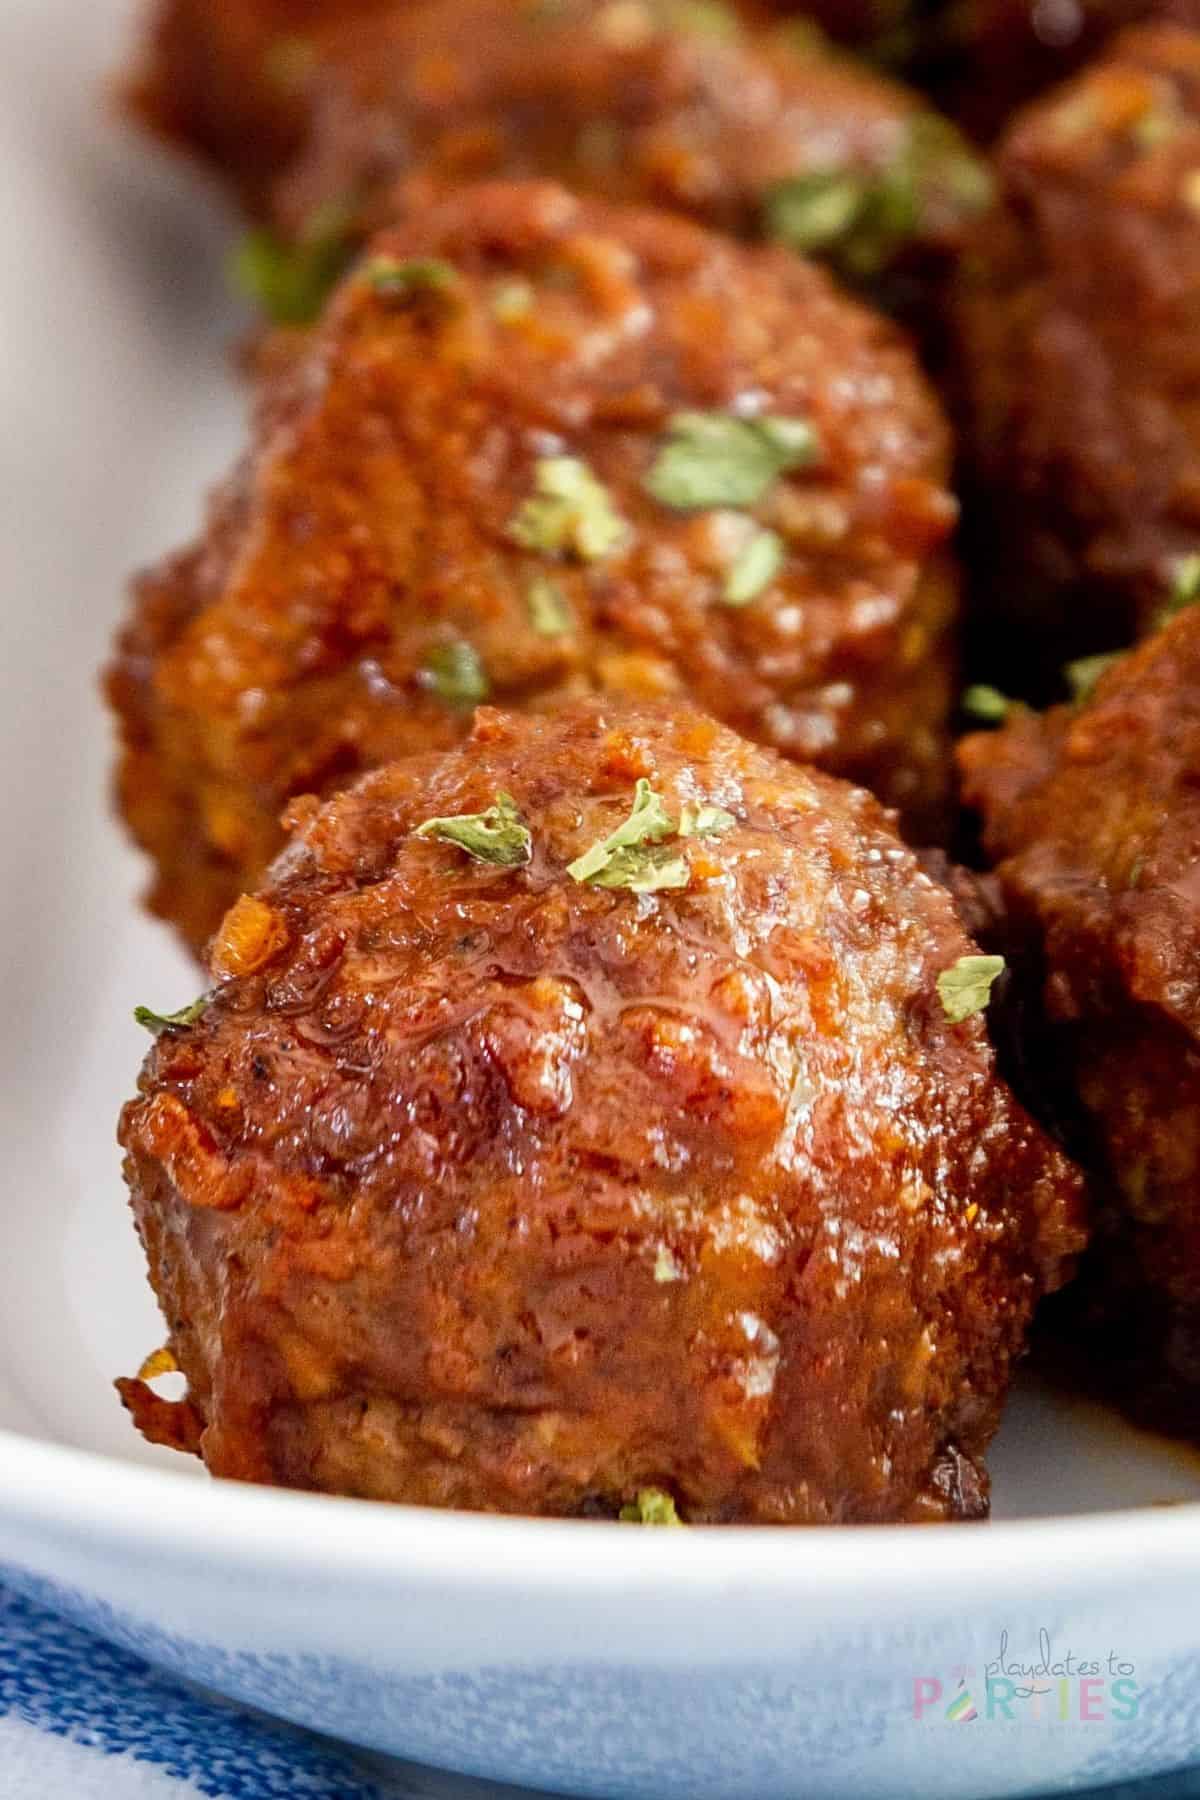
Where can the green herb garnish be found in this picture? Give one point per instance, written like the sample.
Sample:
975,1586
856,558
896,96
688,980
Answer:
699,819
499,835
815,212
650,870
862,218
292,281
549,613
401,283
966,987
1083,674
456,674
570,511
634,856
649,822
1185,588
705,18
652,1507
754,568
715,459
987,705
157,1022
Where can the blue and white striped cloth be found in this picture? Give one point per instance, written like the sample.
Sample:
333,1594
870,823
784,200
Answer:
80,1720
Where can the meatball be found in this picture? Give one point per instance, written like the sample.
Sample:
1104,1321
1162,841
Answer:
539,447
225,78
1091,816
1078,319
986,59
576,1114
679,103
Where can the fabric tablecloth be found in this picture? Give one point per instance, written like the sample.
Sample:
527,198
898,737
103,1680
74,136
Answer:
81,1720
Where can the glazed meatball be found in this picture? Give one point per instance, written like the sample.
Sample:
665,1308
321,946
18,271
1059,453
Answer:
577,1114
1079,324
985,59
680,103
225,78
1091,816
540,447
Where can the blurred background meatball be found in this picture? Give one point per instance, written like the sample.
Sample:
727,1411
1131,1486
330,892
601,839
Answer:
1091,815
681,103
584,1110
225,78
984,58
1078,320
981,59
540,447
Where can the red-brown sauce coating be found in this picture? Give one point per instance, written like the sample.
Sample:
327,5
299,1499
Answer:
686,104
1092,819
225,78
1078,319
621,98
486,1187
369,536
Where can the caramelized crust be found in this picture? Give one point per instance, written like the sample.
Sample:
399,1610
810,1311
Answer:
687,104
491,1188
1092,817
362,581
1078,318
226,79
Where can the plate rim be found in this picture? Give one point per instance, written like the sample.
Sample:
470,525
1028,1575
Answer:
86,1493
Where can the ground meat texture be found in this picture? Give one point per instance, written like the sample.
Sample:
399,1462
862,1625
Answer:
393,552
680,103
225,78
1092,816
488,1185
1078,320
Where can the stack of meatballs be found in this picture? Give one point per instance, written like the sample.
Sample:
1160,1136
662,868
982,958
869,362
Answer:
647,1068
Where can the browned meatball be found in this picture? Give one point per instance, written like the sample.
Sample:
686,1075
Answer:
985,58
1079,325
541,446
680,103
576,1113
226,77
1092,817
982,59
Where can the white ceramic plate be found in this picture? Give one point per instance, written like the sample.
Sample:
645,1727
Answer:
587,1658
